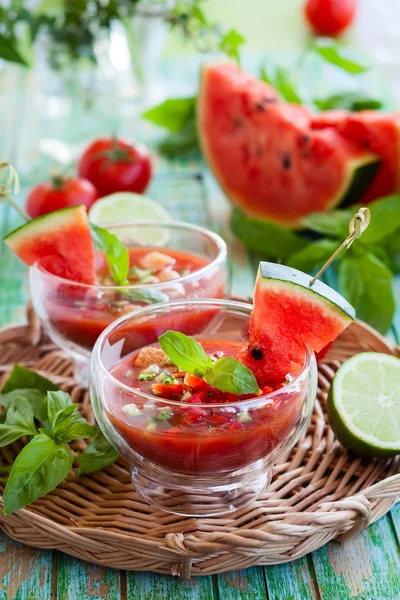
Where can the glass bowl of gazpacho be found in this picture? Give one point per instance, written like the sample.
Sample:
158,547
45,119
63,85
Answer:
168,261
194,450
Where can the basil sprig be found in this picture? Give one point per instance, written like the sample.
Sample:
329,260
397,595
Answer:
35,407
115,251
226,374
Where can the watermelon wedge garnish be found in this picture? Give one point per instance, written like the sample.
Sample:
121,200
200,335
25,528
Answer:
61,241
266,155
290,313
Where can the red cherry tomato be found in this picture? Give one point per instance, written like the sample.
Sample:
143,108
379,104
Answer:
115,165
330,17
59,193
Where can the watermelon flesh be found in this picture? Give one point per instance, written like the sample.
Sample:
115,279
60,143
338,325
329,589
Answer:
60,241
266,155
378,133
288,315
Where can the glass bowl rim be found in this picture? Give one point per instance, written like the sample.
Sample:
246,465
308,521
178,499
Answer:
244,306
219,259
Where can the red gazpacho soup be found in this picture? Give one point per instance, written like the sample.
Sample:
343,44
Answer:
81,313
197,429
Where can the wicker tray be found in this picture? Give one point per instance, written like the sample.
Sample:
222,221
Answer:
318,493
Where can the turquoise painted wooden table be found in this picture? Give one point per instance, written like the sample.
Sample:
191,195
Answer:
365,568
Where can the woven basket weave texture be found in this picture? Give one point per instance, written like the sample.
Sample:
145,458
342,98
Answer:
319,491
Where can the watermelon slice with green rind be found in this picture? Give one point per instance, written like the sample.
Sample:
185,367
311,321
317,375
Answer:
267,157
289,313
60,241
378,133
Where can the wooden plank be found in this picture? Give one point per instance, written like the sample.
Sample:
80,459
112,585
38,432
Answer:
81,580
151,586
365,567
246,584
291,581
25,573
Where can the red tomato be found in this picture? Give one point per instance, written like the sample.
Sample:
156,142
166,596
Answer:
59,193
115,165
330,17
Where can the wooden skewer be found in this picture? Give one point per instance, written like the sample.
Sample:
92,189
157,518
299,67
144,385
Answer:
357,226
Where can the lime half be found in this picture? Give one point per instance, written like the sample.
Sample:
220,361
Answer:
364,404
126,207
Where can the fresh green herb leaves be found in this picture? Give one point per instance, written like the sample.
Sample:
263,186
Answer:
34,397
385,219
365,272
46,459
172,114
97,455
230,44
367,284
229,375
178,115
18,422
337,55
115,251
22,378
314,255
38,469
273,241
226,374
335,223
353,101
184,352
146,294
283,81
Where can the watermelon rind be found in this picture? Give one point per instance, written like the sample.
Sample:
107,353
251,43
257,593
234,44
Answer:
361,175
47,222
300,283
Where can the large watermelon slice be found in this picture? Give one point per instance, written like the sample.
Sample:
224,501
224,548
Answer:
377,132
265,154
61,240
289,313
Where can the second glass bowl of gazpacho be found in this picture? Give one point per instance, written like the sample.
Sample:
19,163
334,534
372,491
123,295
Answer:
194,450
168,261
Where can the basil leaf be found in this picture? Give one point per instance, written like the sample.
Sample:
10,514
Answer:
9,50
147,294
385,219
34,397
286,87
69,425
335,223
97,455
173,114
19,422
313,256
354,101
230,44
367,284
116,253
184,352
229,375
280,79
337,55
56,402
271,240
37,470
22,378
182,142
